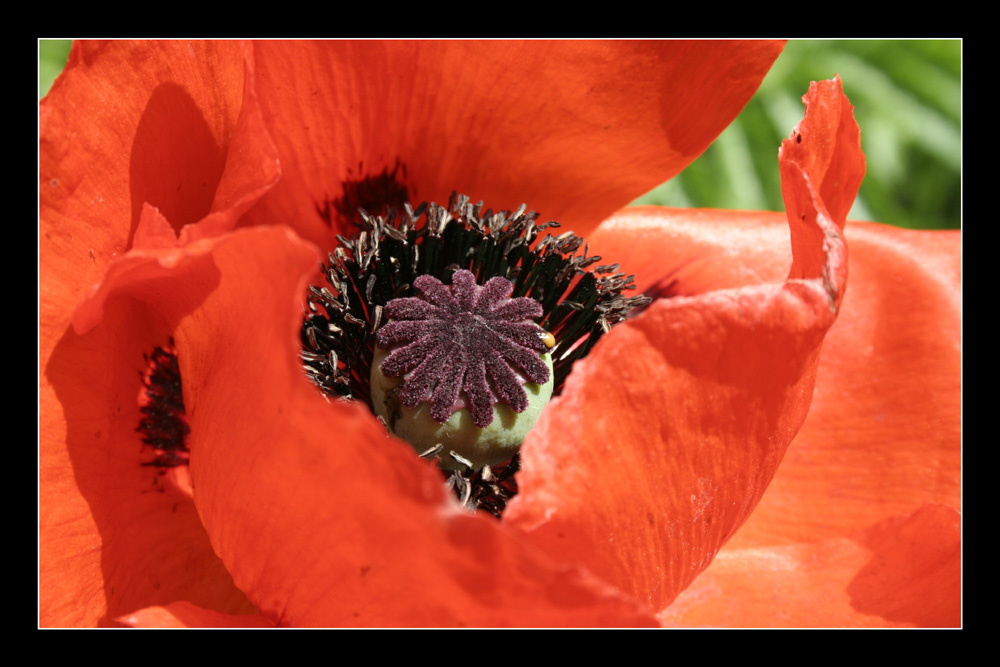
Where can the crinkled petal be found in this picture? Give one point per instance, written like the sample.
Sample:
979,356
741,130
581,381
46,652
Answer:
668,433
321,517
114,535
904,571
138,141
172,124
884,432
187,615
129,127
575,129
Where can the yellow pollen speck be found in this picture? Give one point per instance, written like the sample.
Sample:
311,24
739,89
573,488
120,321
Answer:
547,338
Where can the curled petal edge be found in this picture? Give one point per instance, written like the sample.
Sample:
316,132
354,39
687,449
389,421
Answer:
724,380
884,433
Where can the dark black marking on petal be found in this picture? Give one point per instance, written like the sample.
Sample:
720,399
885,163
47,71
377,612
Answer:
666,287
164,423
375,193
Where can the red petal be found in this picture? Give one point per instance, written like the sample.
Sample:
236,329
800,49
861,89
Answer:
884,432
575,129
139,98
826,148
668,433
904,571
166,123
128,123
319,516
822,167
187,615
113,537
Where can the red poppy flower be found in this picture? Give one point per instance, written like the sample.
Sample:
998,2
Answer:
186,189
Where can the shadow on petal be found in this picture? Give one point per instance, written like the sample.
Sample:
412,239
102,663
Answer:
902,572
884,434
114,535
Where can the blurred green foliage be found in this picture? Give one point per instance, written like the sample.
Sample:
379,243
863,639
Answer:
907,99
52,54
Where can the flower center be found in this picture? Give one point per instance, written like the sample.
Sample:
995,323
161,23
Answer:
434,256
462,366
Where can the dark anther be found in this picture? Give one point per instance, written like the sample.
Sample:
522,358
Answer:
164,424
488,489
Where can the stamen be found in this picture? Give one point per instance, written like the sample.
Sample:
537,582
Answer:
164,424
487,489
